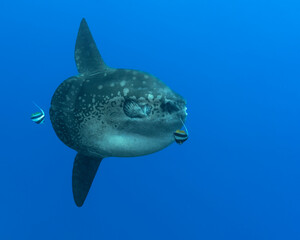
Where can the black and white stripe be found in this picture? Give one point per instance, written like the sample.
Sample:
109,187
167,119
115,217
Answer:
180,136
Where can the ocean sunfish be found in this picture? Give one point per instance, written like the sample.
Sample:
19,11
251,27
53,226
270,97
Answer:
108,112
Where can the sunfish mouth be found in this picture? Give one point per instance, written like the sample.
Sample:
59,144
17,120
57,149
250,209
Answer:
182,114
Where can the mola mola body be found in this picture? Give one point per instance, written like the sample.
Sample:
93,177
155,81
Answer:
107,112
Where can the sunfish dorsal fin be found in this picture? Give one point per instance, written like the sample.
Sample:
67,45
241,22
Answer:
84,171
87,56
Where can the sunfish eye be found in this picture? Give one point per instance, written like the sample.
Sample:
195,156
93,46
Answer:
133,110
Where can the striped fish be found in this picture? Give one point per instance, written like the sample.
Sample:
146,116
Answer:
38,117
181,136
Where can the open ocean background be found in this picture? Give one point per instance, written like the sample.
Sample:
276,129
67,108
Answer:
237,63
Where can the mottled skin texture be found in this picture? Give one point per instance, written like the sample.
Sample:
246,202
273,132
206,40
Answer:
87,112
88,116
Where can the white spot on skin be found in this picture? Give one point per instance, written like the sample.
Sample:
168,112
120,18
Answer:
146,76
112,84
125,91
122,83
100,87
158,97
150,97
133,78
144,82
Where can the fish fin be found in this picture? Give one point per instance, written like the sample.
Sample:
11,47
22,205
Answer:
84,171
87,56
187,133
38,107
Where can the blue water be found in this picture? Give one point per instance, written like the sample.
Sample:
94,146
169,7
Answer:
237,63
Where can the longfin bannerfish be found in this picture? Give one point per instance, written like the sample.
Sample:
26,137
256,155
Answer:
181,136
38,117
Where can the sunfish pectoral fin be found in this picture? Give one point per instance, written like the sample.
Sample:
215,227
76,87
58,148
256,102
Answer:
87,56
84,171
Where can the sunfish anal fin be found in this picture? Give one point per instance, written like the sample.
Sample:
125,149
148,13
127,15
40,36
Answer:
87,56
84,171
